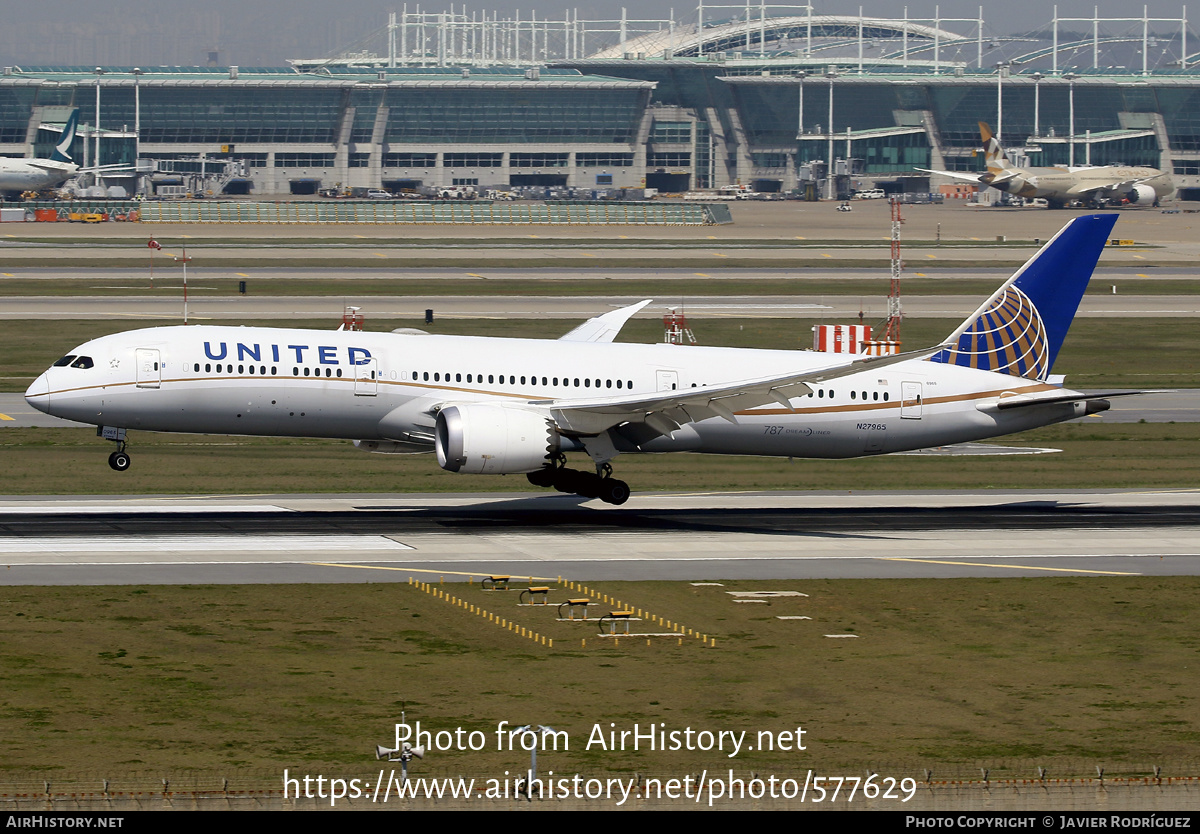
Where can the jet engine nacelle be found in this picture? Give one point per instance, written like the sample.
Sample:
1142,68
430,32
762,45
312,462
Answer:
1141,195
489,439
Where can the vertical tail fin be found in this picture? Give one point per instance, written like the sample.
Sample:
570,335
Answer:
1019,330
62,148
994,156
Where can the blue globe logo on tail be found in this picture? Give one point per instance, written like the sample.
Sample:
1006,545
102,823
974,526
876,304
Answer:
1020,330
1008,338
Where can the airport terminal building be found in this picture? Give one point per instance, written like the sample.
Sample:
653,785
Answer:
762,103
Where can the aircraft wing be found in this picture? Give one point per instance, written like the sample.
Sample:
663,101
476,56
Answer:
1121,185
604,328
1088,188
667,411
957,175
47,165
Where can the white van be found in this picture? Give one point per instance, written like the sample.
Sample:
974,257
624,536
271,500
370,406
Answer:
870,194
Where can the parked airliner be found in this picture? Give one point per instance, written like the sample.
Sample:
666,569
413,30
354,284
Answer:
517,406
37,174
1063,185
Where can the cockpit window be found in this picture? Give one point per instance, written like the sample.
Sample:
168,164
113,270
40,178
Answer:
66,360
82,362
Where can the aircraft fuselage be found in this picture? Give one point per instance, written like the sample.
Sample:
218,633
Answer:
388,387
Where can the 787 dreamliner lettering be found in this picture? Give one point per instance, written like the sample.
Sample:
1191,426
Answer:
495,406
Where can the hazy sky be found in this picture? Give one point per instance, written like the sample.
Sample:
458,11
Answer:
131,32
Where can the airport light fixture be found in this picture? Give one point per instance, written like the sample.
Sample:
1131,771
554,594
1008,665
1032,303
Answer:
1037,102
832,74
800,76
137,74
1002,72
99,74
1070,77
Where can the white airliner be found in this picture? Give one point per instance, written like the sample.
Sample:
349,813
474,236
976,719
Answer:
516,406
37,174
1059,187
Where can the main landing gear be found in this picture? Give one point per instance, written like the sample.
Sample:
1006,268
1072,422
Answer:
600,485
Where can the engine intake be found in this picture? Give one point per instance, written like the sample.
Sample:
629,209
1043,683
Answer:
1141,195
489,439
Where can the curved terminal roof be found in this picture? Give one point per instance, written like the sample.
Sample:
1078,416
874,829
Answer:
760,34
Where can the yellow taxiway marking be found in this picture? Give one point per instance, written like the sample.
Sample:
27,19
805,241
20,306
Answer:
8,275
1142,275
476,275
801,237
438,572
712,237
719,255
1139,257
824,255
701,274
364,237
5,417
1011,567
187,236
623,237
241,274
380,255
932,256
974,238
533,235
919,274
588,255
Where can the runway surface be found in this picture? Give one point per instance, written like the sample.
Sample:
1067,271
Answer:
290,539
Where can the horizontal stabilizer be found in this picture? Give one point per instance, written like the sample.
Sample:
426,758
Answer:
1005,403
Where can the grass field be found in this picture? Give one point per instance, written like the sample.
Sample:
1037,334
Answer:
953,675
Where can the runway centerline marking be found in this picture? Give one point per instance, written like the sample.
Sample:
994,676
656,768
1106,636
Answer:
1007,567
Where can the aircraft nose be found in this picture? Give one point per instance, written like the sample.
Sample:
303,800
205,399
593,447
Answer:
38,394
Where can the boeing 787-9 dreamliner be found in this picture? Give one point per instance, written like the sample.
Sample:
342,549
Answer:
496,406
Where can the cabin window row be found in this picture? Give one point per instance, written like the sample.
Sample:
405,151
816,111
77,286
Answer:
222,368
512,379
261,370
828,393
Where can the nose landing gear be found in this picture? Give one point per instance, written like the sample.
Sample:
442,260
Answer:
118,460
